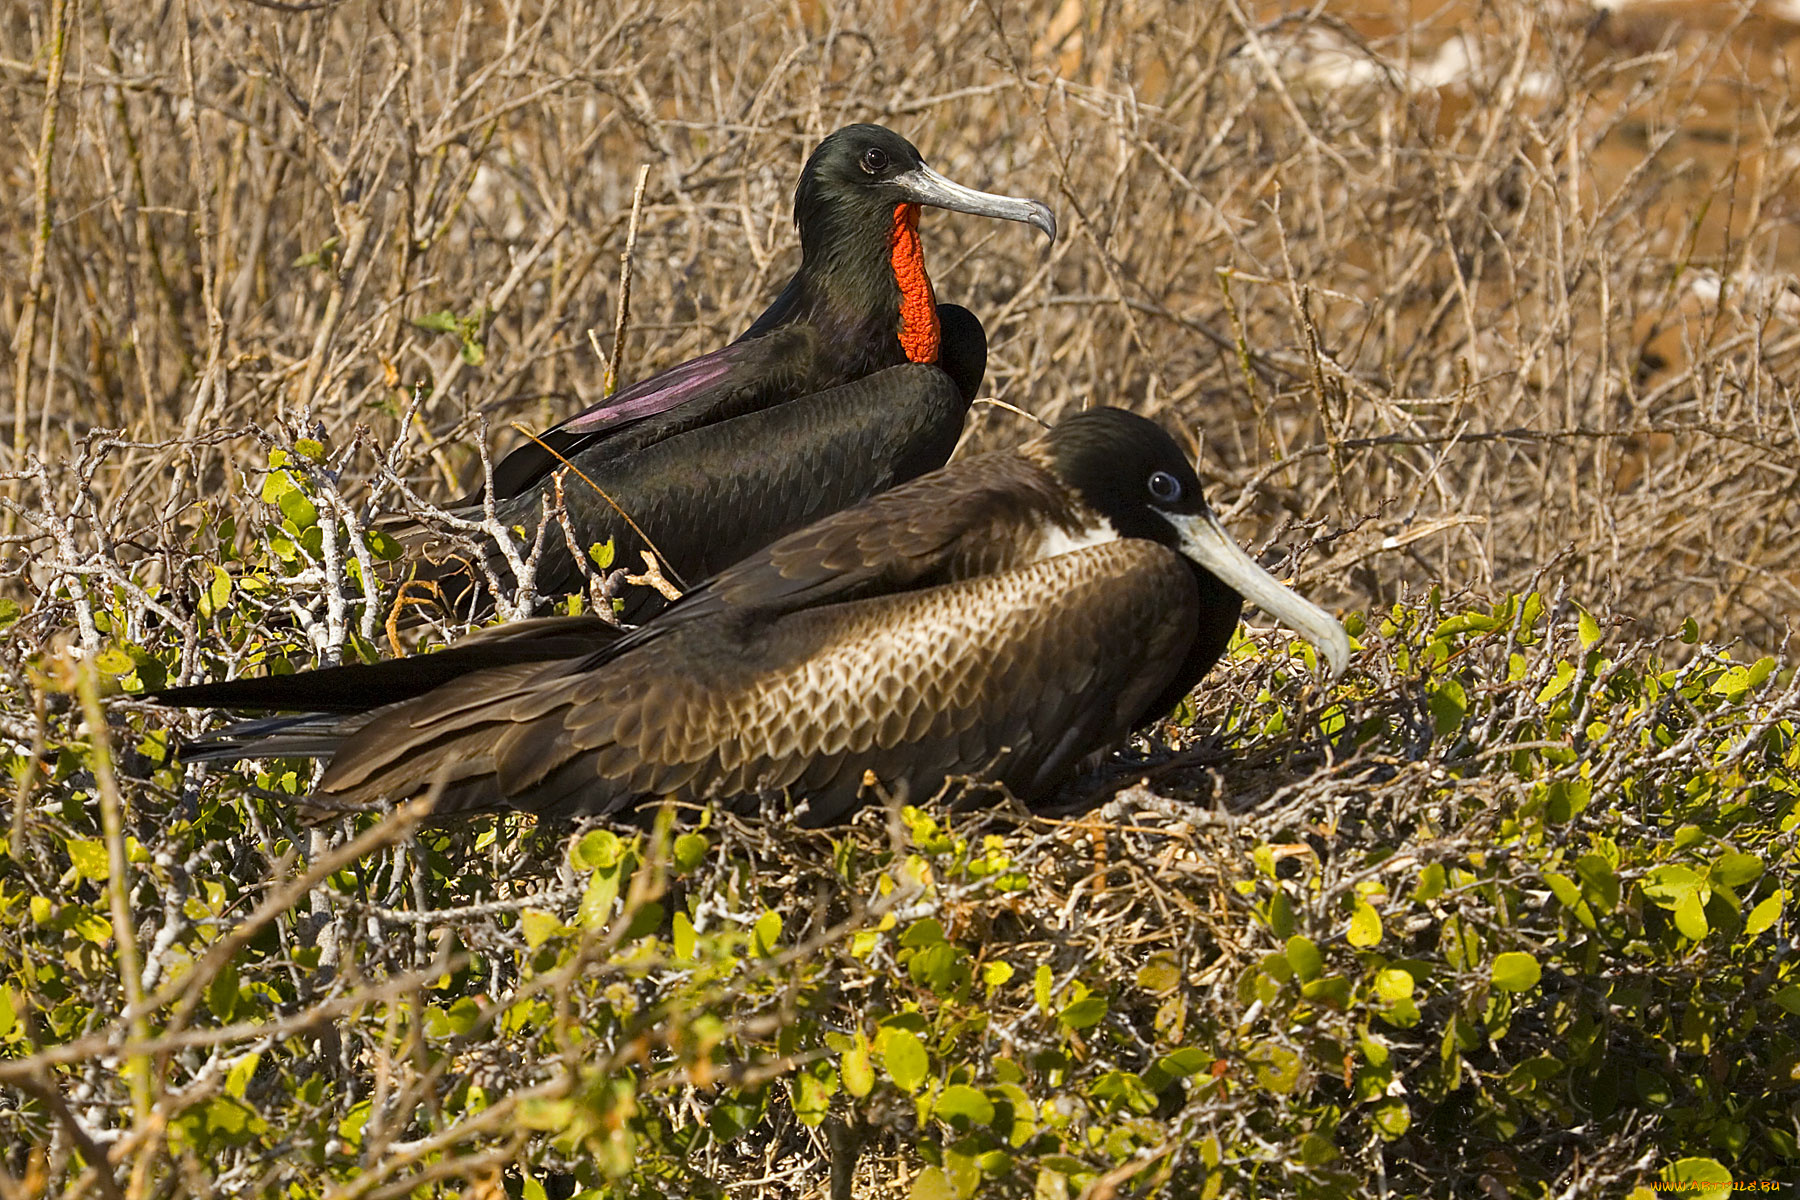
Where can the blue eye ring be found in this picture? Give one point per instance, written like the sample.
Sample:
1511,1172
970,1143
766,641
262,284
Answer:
1164,487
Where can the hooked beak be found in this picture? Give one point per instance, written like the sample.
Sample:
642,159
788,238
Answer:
1205,541
922,185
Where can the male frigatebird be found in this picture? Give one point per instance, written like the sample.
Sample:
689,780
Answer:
998,619
853,380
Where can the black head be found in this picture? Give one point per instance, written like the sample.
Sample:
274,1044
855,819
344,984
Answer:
856,159
1126,469
859,175
1129,472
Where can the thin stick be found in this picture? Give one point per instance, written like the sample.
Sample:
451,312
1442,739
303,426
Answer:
624,311
40,245
118,889
1013,408
601,492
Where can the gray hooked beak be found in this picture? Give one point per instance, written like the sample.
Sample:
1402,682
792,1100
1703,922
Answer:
1205,541
922,185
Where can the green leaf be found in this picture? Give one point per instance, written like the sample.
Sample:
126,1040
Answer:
1082,1013
9,1013
218,592
681,934
855,1068
960,1103
1469,622
903,1056
1281,915
1393,984
1565,677
1690,916
1317,1151
601,554
1276,1068
238,1078
441,321
1332,989
932,1184
812,1097
114,660
596,906
598,848
1185,1061
322,257
690,850
1304,957
646,919
1599,882
351,1127
1735,870
1697,1170
1365,926
1041,987
1566,890
1392,1119
1669,885
1121,1090
1690,632
539,926
1160,975
92,927
295,506
728,1119
1516,971
222,992
1589,629
534,1112
88,857
924,932
766,935
463,1016
227,1116
382,546
1449,704
1764,914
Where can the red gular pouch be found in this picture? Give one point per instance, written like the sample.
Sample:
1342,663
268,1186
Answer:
919,332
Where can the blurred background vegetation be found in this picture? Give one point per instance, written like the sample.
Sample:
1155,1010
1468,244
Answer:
1483,319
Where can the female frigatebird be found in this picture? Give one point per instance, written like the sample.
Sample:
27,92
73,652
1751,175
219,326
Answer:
998,619
853,380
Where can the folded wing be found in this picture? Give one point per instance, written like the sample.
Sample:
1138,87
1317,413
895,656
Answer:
985,677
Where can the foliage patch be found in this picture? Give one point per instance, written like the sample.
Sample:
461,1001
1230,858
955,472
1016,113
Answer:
1364,946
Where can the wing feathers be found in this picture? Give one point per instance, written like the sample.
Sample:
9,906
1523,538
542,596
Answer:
950,680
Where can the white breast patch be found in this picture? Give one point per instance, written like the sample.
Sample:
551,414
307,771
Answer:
1055,540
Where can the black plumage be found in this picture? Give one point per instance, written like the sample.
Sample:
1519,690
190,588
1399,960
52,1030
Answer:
705,458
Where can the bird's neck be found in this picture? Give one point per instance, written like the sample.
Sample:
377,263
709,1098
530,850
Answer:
869,297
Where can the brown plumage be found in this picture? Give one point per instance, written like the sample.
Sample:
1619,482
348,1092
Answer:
999,619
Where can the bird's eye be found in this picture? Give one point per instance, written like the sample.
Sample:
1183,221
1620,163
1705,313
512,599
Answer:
874,160
1164,487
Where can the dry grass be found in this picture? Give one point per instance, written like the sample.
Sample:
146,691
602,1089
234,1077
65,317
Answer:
1535,320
